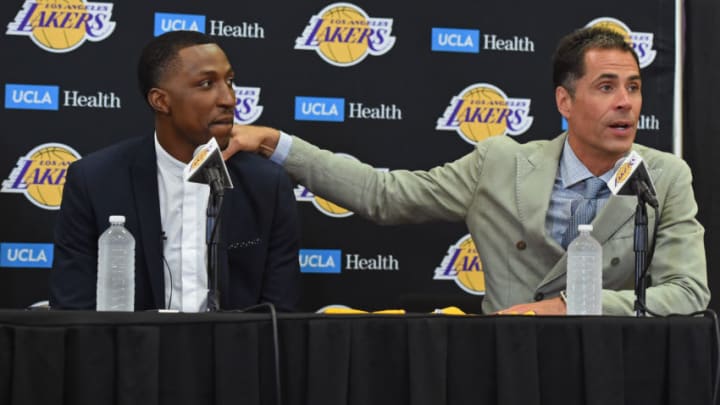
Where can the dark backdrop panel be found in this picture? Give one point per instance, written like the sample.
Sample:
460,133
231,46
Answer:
411,77
701,125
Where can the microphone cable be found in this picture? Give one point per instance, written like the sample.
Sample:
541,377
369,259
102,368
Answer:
276,343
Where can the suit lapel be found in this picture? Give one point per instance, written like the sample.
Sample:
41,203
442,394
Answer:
145,191
534,189
614,215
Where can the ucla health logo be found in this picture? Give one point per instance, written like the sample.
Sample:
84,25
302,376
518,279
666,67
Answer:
31,97
37,255
63,26
40,174
166,22
247,108
455,40
642,42
327,261
326,207
319,109
462,264
343,35
482,110
47,97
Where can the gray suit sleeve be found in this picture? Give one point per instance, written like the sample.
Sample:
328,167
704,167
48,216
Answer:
399,196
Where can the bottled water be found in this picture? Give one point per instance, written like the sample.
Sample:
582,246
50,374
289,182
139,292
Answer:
584,274
116,268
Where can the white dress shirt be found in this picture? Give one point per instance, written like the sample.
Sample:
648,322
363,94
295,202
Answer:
183,217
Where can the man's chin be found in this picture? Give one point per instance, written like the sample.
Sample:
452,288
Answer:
222,134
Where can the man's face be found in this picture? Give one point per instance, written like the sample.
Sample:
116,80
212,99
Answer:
604,111
200,97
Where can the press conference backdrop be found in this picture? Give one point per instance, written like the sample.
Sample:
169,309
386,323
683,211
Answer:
395,84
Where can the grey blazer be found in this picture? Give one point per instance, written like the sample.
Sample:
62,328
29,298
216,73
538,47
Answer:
501,191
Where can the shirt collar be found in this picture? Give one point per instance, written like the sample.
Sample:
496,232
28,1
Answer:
573,171
167,162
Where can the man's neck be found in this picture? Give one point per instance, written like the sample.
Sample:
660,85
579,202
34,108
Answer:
168,141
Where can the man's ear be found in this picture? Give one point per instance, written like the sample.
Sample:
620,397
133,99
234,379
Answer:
159,100
563,100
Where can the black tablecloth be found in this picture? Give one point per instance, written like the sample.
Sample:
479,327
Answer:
74,358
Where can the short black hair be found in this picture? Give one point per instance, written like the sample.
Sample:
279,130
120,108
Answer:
569,57
158,56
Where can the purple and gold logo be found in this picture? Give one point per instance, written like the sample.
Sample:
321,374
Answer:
61,26
482,110
462,264
343,35
40,174
642,42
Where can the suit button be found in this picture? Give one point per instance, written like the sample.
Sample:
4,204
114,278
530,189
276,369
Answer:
521,245
615,261
539,296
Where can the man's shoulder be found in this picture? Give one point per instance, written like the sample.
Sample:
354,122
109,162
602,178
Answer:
510,146
111,155
251,164
657,158
256,175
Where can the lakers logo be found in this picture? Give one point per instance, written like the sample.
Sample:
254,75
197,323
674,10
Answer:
642,42
623,173
343,35
462,264
326,207
199,158
247,108
483,110
40,174
63,25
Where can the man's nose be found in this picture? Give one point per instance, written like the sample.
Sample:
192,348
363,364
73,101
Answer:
227,96
623,99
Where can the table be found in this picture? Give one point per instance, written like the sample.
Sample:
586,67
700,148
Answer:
77,357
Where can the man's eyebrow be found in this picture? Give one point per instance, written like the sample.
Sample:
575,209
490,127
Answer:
615,77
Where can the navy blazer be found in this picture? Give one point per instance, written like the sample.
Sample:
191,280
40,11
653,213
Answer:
259,240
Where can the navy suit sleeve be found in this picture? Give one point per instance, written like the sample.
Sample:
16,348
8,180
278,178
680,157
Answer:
281,280
74,273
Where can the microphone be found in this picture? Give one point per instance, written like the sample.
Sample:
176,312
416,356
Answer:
632,178
208,167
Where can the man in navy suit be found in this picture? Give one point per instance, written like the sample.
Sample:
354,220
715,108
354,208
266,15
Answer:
187,80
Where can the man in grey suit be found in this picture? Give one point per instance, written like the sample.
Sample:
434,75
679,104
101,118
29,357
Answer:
519,199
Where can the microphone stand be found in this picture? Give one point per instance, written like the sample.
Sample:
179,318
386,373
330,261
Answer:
641,243
640,247
212,232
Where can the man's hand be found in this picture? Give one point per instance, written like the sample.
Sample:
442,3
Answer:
552,306
250,138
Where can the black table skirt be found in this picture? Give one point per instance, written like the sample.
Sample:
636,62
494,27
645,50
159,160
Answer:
75,358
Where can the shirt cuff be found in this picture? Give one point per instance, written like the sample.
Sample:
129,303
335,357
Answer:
282,150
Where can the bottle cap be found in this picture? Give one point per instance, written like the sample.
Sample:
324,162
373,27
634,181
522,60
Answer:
117,219
585,227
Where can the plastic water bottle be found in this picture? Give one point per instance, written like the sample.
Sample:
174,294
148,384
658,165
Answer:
116,268
584,274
